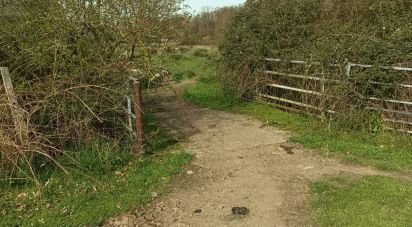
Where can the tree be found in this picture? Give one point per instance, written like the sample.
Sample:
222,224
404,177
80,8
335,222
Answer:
209,25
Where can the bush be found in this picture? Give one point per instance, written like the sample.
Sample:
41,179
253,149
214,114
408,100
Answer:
70,63
328,31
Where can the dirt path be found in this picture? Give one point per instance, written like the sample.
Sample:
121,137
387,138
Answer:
238,163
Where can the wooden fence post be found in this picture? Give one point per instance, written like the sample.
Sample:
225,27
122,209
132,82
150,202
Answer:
17,114
140,137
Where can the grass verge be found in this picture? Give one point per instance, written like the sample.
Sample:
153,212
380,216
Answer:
105,180
370,201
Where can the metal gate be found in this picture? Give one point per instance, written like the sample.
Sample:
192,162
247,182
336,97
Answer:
303,86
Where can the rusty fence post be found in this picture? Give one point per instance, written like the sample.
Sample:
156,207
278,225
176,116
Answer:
140,137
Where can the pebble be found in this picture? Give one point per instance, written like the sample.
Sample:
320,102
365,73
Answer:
240,211
198,211
190,172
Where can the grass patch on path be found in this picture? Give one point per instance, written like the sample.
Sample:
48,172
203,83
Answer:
187,66
370,201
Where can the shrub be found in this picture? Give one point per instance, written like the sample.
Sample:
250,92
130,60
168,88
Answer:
328,31
70,63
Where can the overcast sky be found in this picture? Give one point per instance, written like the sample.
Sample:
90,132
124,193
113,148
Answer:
197,5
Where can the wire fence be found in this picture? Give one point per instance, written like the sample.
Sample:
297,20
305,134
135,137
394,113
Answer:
313,88
113,113
35,123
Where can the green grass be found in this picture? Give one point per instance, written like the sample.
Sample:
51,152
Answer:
385,151
105,180
157,137
370,201
187,66
82,199
211,96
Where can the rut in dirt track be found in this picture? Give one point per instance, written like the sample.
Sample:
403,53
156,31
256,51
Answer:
238,163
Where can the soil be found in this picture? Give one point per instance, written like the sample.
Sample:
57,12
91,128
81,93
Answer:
243,174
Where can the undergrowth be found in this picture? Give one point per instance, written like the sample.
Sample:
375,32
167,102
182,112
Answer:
105,180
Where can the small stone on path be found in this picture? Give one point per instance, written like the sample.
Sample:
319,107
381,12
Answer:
240,211
198,211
